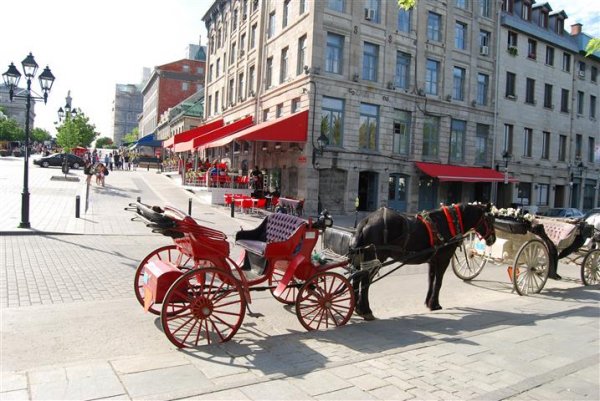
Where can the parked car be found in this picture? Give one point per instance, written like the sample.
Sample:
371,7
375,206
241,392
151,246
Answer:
56,160
569,212
590,212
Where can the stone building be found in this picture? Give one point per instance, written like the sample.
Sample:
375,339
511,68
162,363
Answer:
182,117
412,104
17,108
547,128
127,105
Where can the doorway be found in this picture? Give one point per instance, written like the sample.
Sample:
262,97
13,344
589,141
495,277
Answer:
397,192
367,191
428,188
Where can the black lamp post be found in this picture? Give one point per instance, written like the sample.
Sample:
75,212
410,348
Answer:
66,114
11,79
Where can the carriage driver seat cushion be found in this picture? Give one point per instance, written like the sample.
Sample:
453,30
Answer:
277,227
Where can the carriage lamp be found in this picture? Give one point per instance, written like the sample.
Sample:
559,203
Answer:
11,79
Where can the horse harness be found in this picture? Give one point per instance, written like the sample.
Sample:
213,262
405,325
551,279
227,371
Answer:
454,220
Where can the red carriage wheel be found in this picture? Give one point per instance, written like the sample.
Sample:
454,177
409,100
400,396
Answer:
168,253
289,295
325,300
203,306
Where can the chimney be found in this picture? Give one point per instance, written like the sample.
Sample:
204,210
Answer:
576,29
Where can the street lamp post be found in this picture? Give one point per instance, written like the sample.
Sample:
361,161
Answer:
66,114
11,79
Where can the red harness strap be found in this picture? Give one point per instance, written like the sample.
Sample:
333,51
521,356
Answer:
450,221
459,214
428,227
454,219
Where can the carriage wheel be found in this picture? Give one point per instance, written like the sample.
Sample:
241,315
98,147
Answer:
530,272
590,268
203,306
289,295
325,300
168,253
468,261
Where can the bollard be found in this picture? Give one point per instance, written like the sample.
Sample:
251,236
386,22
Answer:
139,199
190,206
77,205
232,208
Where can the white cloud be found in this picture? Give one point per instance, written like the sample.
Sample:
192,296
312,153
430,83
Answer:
586,12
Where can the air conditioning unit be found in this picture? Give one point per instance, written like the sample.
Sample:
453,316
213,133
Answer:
581,74
369,14
484,50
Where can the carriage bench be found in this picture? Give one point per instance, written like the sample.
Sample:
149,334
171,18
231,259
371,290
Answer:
278,235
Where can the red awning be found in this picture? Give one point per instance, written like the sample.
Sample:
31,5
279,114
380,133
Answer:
289,129
191,134
224,131
448,172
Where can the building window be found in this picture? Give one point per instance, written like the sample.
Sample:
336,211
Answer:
431,132
481,140
283,69
592,106
254,5
542,194
457,140
543,19
234,20
286,11
548,96
512,39
301,54
594,74
251,73
511,80
302,7
334,53
232,54
458,90
460,36
591,149
336,5
545,145
508,6
370,61
434,27
185,86
240,89
265,114
209,105
216,102
295,105
401,140
532,49
431,77
269,73
218,71
578,145
230,91
369,126
484,42
253,37
580,96
530,91
526,11
404,19
332,119
210,73
279,110
562,148
242,44
508,138
581,69
566,64
564,100
271,27
549,55
374,5
484,8
483,81
402,70
527,141
560,26
461,4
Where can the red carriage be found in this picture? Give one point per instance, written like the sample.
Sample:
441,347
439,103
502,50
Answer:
202,294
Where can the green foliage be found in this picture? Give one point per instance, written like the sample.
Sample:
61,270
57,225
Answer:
11,131
406,4
76,131
40,135
593,46
104,142
132,136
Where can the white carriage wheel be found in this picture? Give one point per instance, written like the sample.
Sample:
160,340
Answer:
590,268
467,262
532,263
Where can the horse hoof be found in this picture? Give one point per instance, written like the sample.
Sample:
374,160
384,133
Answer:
435,307
368,317
555,276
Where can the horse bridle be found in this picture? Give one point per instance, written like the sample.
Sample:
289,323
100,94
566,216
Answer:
488,225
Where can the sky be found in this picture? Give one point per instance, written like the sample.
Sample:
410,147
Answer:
91,46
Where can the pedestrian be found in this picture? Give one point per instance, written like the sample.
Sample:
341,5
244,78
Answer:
135,162
126,165
88,170
100,169
111,161
117,161
106,159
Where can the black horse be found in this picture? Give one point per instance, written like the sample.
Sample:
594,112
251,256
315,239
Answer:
428,237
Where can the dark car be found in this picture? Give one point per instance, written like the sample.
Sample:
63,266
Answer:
569,212
591,212
56,160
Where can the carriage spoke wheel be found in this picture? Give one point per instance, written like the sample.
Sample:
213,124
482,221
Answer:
590,268
203,306
467,261
530,271
168,253
325,300
289,295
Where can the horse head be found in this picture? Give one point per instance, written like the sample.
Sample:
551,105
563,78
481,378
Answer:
483,221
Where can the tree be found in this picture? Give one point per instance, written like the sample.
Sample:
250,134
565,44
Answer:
104,142
593,46
40,135
132,136
406,4
10,130
76,131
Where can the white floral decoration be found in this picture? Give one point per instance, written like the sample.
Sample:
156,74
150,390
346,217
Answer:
512,213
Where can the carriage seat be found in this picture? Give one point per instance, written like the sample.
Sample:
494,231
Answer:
561,233
337,241
278,234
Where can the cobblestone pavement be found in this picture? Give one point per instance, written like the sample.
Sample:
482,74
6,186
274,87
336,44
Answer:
71,329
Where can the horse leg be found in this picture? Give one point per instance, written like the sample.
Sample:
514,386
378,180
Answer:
360,284
431,284
439,269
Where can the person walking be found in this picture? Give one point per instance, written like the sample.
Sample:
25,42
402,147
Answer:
88,170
